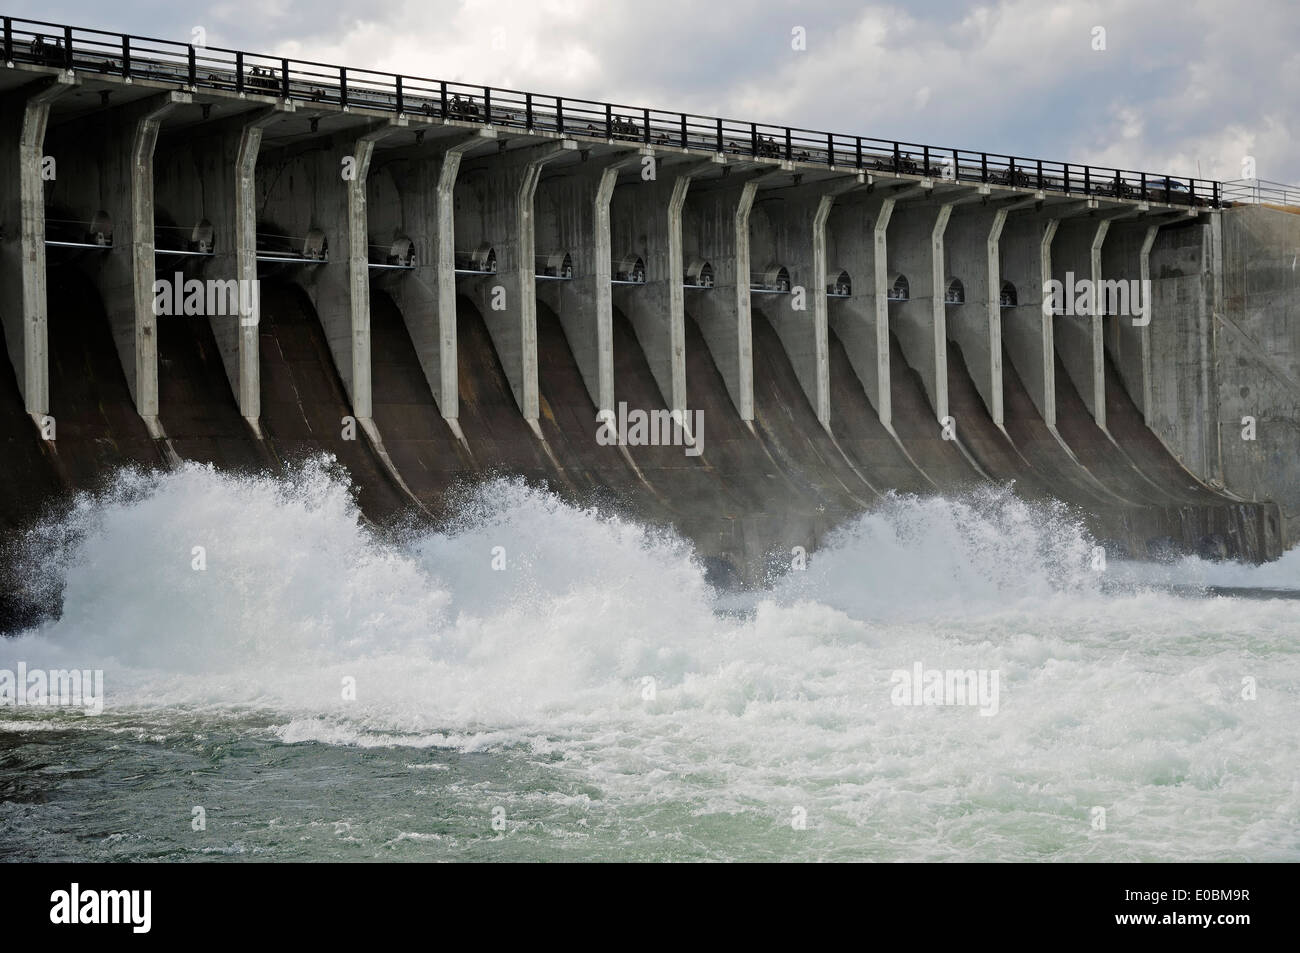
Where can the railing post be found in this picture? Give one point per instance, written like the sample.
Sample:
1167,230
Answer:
1011,173
956,166
753,138
1066,178
719,124
239,73
67,47
683,130
1167,191
984,166
126,56
925,160
789,152
559,116
1119,183
1191,193
398,98
857,150
284,79
645,115
528,110
194,67
1144,186
830,149
1040,175
443,90
343,87
1216,194
9,40
609,121
898,159
487,105
1087,180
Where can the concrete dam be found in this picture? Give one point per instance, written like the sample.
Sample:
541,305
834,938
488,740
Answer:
215,256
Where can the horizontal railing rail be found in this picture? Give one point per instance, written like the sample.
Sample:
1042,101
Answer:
202,67
1261,192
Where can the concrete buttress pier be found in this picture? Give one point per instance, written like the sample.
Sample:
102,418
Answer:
857,237
205,180
495,206
24,119
1076,257
1126,256
106,164
716,230
1026,252
788,230
573,220
318,189
915,255
972,258
646,223
412,196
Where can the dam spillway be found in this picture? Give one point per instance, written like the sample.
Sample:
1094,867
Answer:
456,281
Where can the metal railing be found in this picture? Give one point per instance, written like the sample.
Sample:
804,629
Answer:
302,81
1261,192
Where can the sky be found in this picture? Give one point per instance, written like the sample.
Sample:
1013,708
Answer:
1180,87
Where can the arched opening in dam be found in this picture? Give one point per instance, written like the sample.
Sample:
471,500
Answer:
479,260
1007,296
629,269
774,279
900,289
556,265
699,274
839,285
401,253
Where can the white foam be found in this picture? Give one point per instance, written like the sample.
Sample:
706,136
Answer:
1127,700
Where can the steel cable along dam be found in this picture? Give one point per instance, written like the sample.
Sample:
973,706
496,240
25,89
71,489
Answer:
453,281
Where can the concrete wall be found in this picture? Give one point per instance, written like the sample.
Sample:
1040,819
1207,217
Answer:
1184,386
1257,344
1224,340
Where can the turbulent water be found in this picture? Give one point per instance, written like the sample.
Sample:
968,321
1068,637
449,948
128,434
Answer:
543,682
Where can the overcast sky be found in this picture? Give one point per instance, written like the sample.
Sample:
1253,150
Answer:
1182,86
